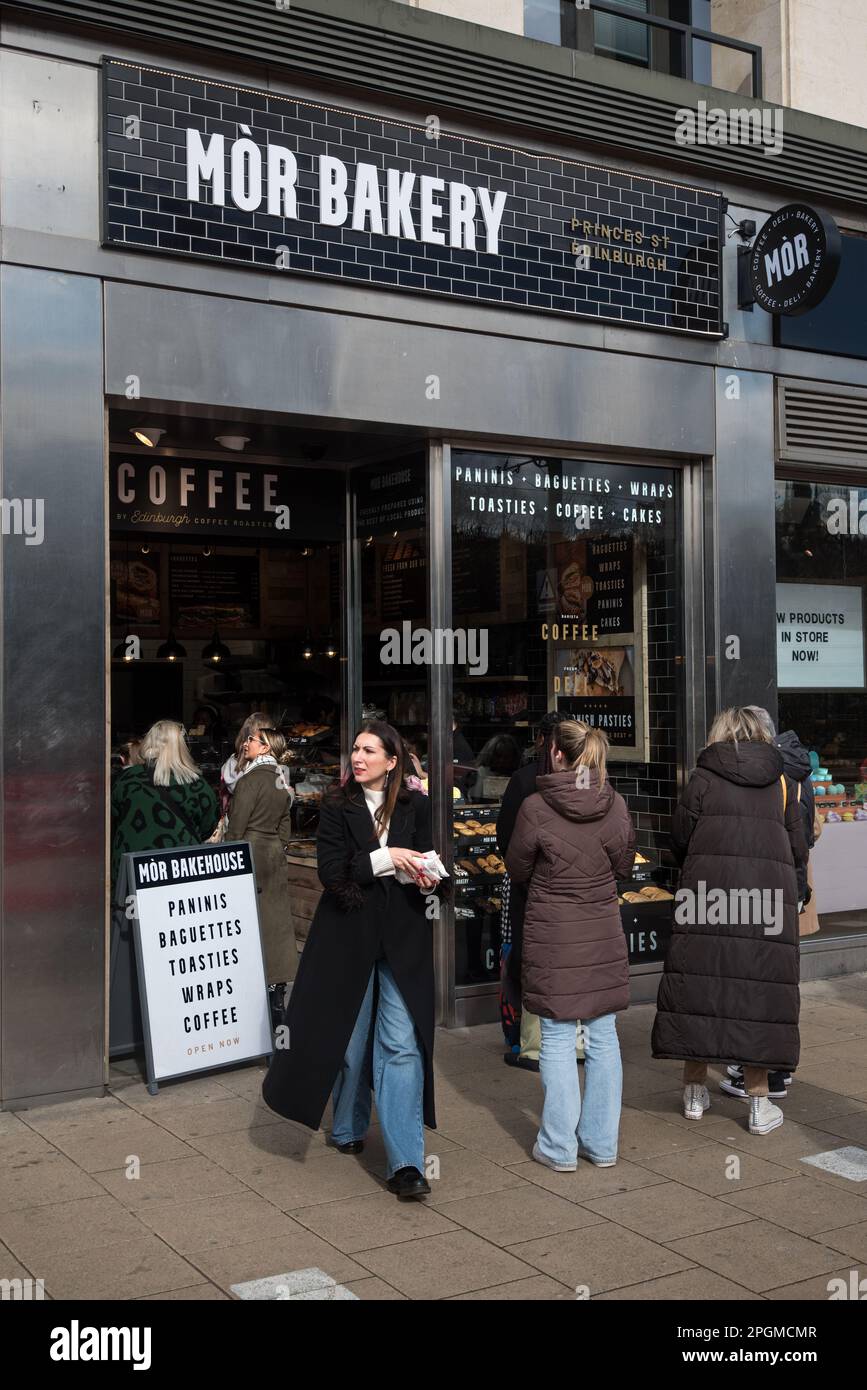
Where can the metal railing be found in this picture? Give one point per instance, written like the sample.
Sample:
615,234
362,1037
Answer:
685,35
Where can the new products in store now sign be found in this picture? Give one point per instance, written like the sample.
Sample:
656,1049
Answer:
820,637
199,955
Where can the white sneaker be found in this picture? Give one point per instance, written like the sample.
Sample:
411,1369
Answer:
551,1163
597,1162
696,1099
764,1115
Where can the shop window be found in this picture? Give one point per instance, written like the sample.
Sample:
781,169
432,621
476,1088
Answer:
565,593
391,534
821,576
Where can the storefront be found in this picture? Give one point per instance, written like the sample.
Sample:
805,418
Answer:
334,411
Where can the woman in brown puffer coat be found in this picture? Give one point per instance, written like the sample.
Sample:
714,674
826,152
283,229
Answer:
729,992
573,838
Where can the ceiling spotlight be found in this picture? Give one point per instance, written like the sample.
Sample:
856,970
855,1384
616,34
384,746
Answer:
216,651
235,442
151,437
171,650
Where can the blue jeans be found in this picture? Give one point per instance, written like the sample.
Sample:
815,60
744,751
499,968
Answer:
567,1125
398,1077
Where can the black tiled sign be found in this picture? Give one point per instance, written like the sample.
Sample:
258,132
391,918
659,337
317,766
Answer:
196,167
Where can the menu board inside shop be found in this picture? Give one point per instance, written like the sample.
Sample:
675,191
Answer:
213,590
476,575
390,498
402,580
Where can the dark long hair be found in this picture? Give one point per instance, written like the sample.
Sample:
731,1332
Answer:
394,787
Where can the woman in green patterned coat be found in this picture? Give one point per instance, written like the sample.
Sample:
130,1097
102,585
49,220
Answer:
163,803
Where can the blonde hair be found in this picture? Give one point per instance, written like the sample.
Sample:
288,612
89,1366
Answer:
740,724
583,747
274,739
165,747
246,728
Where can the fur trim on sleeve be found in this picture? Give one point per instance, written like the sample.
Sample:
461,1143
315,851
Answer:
348,894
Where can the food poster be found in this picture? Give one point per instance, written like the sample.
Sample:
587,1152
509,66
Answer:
595,639
591,581
135,588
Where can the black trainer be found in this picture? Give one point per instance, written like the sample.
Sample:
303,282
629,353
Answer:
733,1084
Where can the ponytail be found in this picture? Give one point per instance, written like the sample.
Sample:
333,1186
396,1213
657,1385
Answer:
585,748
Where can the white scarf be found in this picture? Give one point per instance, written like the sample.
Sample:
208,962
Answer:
268,760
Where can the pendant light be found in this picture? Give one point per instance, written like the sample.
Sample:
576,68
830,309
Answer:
216,651
330,648
121,651
307,649
171,650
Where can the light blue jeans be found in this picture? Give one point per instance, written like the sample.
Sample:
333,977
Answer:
398,1077
567,1125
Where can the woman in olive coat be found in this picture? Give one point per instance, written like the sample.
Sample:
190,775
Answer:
260,812
361,1013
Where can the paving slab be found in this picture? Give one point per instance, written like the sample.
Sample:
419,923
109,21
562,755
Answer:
260,1259
366,1223
128,1269
588,1180
538,1288
441,1266
211,1222
666,1212
716,1171
518,1213
802,1205
599,1258
171,1181
35,1233
758,1255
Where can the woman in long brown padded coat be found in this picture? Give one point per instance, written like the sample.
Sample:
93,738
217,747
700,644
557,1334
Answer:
729,991
572,840
259,812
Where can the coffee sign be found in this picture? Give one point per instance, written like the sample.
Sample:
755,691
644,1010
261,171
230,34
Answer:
794,260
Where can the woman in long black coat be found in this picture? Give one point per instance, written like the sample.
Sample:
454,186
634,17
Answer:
362,1006
729,992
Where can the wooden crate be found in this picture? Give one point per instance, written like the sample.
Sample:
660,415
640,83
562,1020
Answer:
305,891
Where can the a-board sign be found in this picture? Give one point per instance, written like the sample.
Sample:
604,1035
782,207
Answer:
201,968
